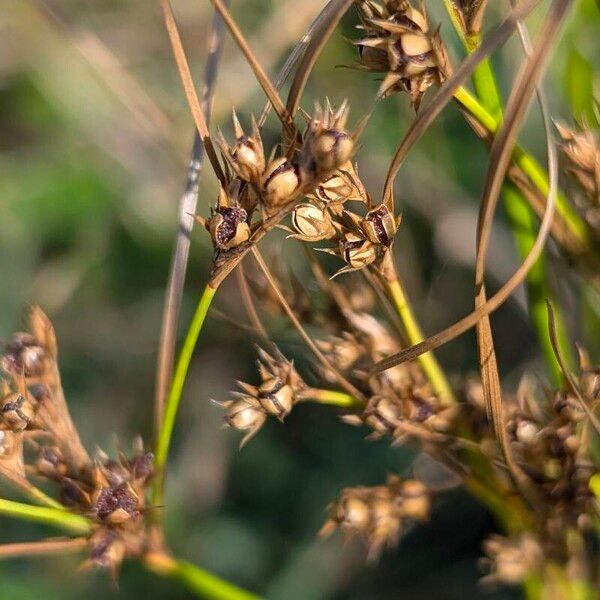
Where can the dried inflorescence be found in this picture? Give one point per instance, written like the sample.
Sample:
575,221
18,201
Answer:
511,560
110,493
398,41
280,389
470,15
581,154
379,514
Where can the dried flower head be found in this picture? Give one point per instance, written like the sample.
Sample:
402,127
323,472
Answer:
512,560
327,145
280,388
24,355
246,156
378,514
398,42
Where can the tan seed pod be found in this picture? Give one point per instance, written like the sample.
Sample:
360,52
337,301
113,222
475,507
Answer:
246,156
280,181
415,501
380,225
24,356
276,397
312,223
357,251
16,412
245,414
228,227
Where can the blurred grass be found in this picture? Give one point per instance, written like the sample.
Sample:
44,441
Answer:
94,137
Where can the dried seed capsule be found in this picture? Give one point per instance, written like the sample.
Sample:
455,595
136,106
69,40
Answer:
245,414
415,502
330,149
16,412
51,463
107,550
247,156
116,505
383,414
276,397
24,355
312,223
380,225
279,182
228,227
357,251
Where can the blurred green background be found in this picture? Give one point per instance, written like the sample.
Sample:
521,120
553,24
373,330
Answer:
94,143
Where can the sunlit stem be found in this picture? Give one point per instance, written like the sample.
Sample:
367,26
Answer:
428,361
163,440
335,398
197,580
46,515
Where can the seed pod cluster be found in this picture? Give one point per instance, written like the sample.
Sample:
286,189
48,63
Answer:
581,155
511,560
378,514
398,42
280,388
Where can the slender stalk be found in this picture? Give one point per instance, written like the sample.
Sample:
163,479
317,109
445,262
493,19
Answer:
46,515
402,305
524,223
197,580
42,548
335,398
529,165
165,434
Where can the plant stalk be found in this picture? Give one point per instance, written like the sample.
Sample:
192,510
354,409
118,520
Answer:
163,441
428,361
44,514
335,398
197,580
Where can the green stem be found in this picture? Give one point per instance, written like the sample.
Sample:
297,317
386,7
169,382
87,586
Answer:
429,363
524,225
197,580
42,514
165,434
524,222
529,166
335,398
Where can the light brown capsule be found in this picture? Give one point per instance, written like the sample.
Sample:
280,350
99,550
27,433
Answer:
51,463
24,356
276,397
246,156
415,502
329,150
228,227
380,225
280,182
312,223
245,414
383,414
357,251
16,412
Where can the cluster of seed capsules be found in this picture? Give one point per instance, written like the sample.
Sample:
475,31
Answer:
34,416
379,514
314,183
397,41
